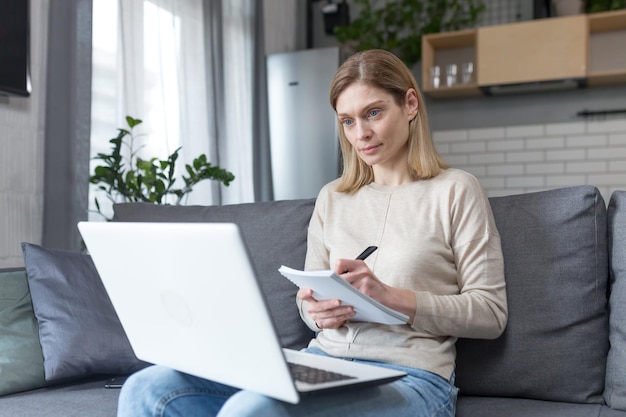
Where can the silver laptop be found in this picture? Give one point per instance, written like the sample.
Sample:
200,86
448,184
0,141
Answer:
188,298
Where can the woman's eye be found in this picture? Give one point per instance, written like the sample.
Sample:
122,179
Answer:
347,122
374,113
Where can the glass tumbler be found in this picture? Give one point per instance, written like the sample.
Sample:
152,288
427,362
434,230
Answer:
451,75
435,76
467,72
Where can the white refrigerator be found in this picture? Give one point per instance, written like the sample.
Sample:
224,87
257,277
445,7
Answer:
303,127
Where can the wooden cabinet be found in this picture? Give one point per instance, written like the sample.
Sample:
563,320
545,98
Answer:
607,48
582,48
539,50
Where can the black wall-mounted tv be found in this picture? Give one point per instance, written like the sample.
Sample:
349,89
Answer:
14,48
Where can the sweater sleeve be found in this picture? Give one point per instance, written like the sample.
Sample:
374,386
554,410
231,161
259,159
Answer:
479,310
316,254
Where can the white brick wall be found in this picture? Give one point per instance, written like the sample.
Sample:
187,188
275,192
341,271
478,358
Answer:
520,159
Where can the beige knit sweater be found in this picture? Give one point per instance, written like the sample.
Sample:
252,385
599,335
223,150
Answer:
436,237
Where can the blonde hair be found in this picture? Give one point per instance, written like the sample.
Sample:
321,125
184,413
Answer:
382,69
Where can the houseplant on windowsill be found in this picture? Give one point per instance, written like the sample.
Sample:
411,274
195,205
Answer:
133,179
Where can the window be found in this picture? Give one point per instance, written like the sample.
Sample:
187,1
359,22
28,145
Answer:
149,63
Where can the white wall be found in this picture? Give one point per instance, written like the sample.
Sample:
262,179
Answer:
21,152
521,159
281,26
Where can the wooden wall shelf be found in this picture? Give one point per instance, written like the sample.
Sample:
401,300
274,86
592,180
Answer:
581,47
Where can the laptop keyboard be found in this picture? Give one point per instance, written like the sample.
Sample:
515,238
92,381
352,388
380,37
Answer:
312,375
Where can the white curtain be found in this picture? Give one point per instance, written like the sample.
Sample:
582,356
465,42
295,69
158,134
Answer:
238,70
156,60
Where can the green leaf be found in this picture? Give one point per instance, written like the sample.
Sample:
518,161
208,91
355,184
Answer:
132,122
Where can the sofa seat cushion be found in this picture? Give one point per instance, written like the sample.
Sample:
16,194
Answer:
275,234
77,399
519,407
615,389
21,359
556,270
79,331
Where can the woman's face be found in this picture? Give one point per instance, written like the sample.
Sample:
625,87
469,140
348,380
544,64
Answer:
375,125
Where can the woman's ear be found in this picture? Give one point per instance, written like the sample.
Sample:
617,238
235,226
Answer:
411,103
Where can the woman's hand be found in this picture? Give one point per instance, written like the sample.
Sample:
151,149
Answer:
327,314
331,314
358,274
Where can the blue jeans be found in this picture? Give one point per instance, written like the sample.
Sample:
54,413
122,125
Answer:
158,392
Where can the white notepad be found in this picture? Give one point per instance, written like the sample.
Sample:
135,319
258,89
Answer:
327,285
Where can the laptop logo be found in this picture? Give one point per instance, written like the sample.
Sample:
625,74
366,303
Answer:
176,308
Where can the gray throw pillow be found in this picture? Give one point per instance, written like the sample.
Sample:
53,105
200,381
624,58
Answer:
556,269
79,331
21,360
615,388
275,233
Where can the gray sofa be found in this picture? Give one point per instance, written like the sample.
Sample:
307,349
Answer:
563,352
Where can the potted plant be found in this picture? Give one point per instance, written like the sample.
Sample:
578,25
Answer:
133,179
398,26
595,6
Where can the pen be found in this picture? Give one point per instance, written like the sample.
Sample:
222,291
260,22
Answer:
367,252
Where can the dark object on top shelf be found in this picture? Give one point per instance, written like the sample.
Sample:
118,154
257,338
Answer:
335,14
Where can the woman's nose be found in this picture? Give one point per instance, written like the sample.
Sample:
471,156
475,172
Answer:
363,131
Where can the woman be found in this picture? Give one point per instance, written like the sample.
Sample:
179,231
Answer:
439,261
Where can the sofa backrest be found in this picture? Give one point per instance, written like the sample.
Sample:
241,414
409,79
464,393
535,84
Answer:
275,233
615,389
556,265
556,268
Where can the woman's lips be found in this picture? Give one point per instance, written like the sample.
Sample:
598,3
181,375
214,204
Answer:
369,149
